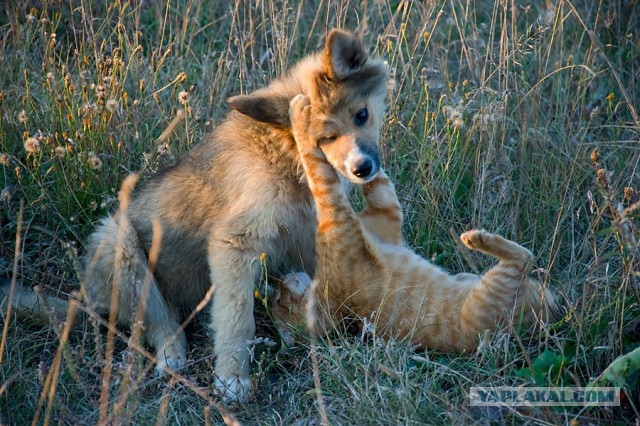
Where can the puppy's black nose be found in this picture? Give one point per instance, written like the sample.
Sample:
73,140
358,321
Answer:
363,168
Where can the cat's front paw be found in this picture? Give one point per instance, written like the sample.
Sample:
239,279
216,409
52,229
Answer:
300,116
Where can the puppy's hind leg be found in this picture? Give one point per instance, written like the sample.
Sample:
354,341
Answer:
116,264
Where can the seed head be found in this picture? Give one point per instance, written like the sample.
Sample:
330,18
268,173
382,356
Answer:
547,17
602,178
631,195
88,109
112,105
94,160
22,117
100,93
60,151
32,145
5,195
595,156
4,159
183,97
454,115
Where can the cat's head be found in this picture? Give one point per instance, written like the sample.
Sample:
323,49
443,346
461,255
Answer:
288,305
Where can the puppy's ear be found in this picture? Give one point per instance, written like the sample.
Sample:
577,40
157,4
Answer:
267,108
343,55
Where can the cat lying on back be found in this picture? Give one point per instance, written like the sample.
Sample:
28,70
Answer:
364,269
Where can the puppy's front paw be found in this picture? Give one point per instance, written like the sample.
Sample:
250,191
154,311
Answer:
232,389
174,363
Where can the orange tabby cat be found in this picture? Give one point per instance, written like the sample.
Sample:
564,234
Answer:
363,268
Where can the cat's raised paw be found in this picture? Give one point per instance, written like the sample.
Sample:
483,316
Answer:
475,239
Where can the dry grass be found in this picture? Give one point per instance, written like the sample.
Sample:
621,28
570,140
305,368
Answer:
493,118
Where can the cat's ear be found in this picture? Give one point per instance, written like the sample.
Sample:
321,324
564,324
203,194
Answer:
343,55
264,107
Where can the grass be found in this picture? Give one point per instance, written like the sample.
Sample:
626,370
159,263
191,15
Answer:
493,120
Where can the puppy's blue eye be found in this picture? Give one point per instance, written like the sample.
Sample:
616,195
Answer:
361,117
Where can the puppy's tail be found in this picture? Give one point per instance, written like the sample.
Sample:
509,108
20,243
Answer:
33,303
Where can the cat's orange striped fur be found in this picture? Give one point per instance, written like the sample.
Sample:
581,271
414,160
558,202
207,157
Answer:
363,267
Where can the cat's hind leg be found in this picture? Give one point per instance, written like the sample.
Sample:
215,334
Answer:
498,247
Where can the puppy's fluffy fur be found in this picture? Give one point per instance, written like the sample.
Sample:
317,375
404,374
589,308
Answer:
240,193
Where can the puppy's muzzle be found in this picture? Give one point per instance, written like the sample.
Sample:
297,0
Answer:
363,168
362,164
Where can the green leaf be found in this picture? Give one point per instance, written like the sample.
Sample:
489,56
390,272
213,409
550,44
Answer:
606,231
549,366
621,370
